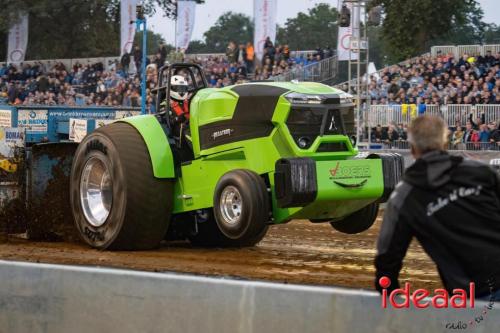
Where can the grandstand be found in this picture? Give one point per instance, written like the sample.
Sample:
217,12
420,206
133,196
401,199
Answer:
105,81
459,83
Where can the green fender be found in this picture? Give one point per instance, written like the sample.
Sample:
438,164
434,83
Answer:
156,140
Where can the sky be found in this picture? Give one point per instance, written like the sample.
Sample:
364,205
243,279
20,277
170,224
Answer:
208,13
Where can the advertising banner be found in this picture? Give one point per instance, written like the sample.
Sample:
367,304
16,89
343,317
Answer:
346,33
265,12
18,40
127,15
33,121
185,23
77,129
5,118
10,139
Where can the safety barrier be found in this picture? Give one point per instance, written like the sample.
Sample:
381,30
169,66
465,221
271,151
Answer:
459,50
453,114
491,112
50,298
468,146
320,71
396,114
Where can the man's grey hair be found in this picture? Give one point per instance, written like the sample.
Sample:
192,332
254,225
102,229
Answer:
427,133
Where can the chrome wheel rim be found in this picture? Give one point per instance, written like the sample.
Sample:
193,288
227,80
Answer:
230,205
96,194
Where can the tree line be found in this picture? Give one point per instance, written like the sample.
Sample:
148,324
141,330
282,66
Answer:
83,28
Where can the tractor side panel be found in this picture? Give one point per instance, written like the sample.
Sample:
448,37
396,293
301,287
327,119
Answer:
195,188
250,118
156,140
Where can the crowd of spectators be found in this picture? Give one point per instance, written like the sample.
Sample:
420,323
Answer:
476,135
119,85
424,80
439,80
80,85
240,65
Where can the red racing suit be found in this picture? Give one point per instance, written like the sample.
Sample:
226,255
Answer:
180,109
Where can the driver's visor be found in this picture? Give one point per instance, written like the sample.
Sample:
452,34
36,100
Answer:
180,88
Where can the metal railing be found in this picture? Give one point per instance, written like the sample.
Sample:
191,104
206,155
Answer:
453,114
459,50
320,71
471,146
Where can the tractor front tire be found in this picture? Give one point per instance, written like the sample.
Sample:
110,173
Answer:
116,201
357,222
240,213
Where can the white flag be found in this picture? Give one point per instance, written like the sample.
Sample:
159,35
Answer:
185,23
265,23
127,15
18,40
346,33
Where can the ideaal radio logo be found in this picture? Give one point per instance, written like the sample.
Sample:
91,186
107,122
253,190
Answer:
439,299
350,171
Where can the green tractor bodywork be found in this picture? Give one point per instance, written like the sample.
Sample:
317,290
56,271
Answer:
253,155
269,140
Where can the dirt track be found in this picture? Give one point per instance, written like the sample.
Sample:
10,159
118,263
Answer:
299,252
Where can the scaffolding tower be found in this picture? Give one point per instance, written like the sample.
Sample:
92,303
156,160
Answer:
358,67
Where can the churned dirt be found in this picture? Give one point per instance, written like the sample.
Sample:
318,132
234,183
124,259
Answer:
298,252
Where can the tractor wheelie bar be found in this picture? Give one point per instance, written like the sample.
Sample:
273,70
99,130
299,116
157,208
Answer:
254,155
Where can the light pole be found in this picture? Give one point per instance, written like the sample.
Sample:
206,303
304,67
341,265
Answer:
142,24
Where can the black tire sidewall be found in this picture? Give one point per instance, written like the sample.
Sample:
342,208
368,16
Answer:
359,221
98,145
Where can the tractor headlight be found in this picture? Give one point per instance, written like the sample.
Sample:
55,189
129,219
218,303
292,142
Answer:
345,98
297,98
303,142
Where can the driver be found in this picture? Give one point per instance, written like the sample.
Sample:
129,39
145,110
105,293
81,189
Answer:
179,102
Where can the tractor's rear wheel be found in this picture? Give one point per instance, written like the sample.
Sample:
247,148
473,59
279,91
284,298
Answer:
240,213
357,222
116,201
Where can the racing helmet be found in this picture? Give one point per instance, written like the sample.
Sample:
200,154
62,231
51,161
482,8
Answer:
178,88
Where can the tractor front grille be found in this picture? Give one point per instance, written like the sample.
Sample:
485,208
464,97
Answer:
307,123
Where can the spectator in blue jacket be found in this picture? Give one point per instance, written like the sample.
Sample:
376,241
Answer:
484,133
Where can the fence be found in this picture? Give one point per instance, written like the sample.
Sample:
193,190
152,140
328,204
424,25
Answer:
460,50
396,114
453,114
470,146
321,71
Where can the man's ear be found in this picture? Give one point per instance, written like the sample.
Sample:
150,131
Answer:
414,152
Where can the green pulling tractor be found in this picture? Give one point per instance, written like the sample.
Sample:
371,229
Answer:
253,155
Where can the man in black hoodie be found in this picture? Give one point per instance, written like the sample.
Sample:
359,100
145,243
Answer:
452,206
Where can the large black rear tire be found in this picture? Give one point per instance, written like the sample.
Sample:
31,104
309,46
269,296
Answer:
116,158
246,229
357,222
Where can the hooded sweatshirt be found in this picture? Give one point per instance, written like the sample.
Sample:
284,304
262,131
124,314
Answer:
452,206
